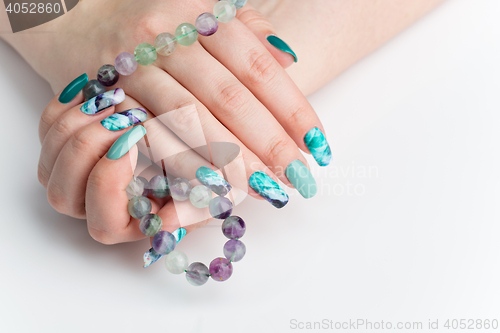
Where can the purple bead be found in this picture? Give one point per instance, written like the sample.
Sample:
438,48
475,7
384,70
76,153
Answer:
107,75
158,186
220,208
164,242
206,24
125,63
220,269
197,274
146,185
234,250
233,227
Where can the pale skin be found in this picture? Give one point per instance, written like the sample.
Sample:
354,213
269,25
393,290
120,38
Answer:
327,35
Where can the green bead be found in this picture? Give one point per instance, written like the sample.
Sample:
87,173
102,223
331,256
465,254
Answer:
145,54
186,34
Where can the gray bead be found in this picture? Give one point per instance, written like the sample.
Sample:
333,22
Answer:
92,89
139,206
180,188
197,274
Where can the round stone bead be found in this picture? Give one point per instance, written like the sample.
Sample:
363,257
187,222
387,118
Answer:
186,34
164,242
180,188
200,196
238,3
107,75
150,224
233,227
221,269
234,250
125,63
220,208
136,187
165,44
197,274
176,262
146,185
92,89
158,186
139,206
206,24
145,54
224,11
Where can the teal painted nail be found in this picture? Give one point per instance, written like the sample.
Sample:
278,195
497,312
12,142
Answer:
125,142
267,188
302,179
281,45
73,88
124,119
318,146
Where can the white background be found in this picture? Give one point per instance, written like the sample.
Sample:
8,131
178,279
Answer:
418,241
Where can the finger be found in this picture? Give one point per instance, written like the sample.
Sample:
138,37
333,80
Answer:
257,69
68,123
67,183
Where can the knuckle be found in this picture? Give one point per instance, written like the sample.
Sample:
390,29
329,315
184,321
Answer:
184,118
262,68
57,199
296,116
102,236
232,98
62,127
277,145
81,143
43,174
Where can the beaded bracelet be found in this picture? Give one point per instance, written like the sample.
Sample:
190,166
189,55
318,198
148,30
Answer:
164,242
164,44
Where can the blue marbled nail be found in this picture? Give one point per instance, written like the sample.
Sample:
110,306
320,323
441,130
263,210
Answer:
151,256
213,181
267,188
318,146
103,101
124,119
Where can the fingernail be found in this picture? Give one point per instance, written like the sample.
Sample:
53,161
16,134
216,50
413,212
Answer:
318,146
281,45
73,88
151,256
103,101
267,188
125,142
213,181
124,119
302,179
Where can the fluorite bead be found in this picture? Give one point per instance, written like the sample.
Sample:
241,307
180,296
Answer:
233,227
176,262
206,24
186,34
92,89
220,208
224,11
165,44
239,3
136,187
107,75
220,269
180,188
125,63
200,196
234,250
197,274
158,186
150,224
145,54
146,185
139,206
164,242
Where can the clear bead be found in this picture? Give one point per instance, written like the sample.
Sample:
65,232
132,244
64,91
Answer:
224,11
180,188
200,196
186,34
135,187
238,3
176,262
165,44
139,206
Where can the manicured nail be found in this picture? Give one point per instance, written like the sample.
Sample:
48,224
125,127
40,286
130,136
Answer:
267,188
318,146
302,179
125,142
103,101
151,256
281,45
213,181
124,119
73,88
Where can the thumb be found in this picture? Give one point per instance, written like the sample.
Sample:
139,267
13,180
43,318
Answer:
264,31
